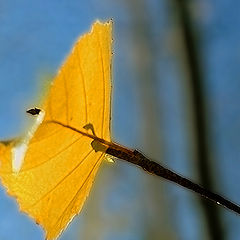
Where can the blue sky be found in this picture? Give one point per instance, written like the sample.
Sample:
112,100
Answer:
35,37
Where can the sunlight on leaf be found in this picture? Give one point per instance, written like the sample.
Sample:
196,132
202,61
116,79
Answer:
53,179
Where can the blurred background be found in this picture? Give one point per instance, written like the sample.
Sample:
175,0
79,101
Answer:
175,98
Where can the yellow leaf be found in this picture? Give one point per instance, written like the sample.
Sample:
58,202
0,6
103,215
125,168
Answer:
53,179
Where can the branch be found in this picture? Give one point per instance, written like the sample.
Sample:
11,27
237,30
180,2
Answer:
154,168
137,158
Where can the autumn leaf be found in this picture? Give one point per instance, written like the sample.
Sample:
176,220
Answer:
51,170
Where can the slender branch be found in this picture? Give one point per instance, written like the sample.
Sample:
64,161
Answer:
137,158
154,168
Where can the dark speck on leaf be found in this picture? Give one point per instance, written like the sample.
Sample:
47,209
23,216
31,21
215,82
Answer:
34,111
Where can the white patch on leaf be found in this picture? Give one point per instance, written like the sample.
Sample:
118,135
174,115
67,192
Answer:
19,151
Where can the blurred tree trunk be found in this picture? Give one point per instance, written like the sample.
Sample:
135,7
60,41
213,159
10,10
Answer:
199,114
157,224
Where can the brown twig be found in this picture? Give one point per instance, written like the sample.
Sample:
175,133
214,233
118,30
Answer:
137,158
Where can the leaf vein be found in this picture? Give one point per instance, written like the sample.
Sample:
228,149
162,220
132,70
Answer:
64,178
83,84
52,157
103,78
76,194
66,95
